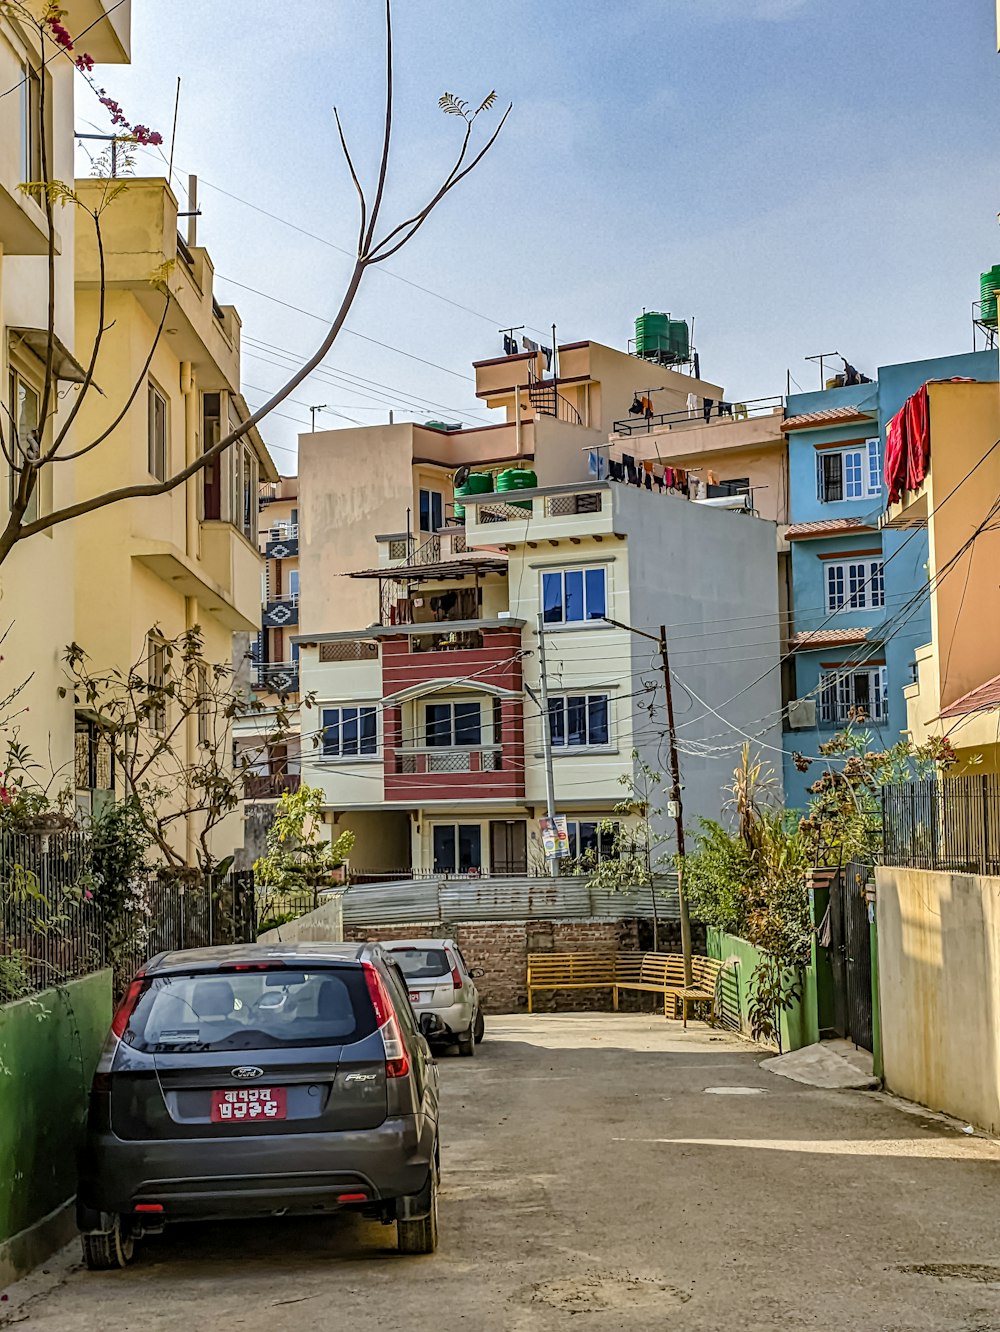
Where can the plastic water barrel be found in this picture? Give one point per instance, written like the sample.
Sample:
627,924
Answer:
517,478
988,284
476,483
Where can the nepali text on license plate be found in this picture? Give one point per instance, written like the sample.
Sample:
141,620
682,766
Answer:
418,997
249,1103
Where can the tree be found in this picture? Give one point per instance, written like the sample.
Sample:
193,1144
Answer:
31,448
298,856
149,714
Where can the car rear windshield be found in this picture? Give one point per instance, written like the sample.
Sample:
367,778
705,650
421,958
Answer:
417,963
251,1010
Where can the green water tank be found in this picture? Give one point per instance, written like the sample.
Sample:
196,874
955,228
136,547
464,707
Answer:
517,478
660,338
476,483
988,284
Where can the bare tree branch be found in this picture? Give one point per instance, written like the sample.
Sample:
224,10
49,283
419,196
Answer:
354,177
383,169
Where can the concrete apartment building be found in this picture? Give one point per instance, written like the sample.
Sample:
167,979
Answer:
36,573
189,557
419,639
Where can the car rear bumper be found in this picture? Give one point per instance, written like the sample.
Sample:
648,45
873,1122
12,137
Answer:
458,1018
206,1179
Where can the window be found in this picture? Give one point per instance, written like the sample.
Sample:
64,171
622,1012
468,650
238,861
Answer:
849,474
458,847
572,595
156,677
588,838
204,707
250,478
452,724
431,510
854,585
30,99
845,694
293,584
349,732
739,485
579,719
25,410
157,432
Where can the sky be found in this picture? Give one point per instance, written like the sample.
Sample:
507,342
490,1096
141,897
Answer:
797,176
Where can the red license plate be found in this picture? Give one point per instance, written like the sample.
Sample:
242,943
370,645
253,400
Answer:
414,997
249,1103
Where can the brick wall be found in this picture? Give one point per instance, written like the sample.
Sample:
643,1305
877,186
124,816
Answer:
502,949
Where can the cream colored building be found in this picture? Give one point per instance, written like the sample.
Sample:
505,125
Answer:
166,563
419,639
36,583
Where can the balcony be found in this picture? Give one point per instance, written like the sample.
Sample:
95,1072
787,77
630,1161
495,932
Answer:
411,761
282,542
422,653
427,774
270,786
281,614
581,509
278,677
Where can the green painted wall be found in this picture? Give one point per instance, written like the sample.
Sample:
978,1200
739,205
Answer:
49,1046
799,1025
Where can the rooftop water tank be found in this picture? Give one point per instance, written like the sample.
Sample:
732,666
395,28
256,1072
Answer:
988,284
517,478
660,338
476,483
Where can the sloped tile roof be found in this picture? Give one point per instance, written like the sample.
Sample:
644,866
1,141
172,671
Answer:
983,698
823,527
827,416
824,638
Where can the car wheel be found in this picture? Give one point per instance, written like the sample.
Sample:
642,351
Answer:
479,1030
421,1236
467,1043
106,1251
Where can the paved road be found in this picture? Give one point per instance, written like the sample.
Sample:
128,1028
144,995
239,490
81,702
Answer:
607,1172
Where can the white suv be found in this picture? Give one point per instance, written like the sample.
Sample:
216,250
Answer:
439,982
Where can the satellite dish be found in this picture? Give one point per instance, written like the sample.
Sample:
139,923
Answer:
462,475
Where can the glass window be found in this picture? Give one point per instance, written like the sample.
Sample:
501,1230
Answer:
579,720
251,1010
293,584
431,510
350,732
25,409
874,468
588,838
457,847
858,585
854,485
420,963
845,694
29,98
450,724
574,595
157,441
156,676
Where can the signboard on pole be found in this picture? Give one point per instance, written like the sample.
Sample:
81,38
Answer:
555,836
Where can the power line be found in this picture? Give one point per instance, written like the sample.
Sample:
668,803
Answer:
60,50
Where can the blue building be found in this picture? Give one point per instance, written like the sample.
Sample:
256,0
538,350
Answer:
856,589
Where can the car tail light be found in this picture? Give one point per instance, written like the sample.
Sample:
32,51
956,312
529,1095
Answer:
252,966
456,975
397,1063
352,1197
148,1207
127,1006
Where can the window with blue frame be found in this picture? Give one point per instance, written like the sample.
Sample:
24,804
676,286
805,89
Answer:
572,596
350,732
431,510
579,720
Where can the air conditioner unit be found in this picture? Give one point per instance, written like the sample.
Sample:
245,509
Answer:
802,714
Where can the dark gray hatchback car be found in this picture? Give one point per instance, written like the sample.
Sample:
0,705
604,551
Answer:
258,1080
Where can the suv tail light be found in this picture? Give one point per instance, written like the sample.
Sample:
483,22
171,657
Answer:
128,1004
456,975
397,1063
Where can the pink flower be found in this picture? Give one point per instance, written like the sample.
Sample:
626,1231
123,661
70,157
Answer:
5,797
85,63
88,895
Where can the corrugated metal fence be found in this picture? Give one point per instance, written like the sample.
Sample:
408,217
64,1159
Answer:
466,899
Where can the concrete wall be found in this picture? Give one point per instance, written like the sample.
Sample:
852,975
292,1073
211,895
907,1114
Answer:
49,1045
324,925
799,1024
939,981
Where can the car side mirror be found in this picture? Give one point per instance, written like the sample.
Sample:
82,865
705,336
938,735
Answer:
431,1025
477,973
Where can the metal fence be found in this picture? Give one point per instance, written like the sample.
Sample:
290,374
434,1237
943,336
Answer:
950,824
52,930
444,899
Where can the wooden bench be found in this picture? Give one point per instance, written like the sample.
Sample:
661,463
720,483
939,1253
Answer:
658,973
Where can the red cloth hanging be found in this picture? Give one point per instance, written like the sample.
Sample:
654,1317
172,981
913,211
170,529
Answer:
895,455
918,437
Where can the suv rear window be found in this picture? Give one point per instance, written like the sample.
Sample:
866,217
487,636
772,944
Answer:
251,1010
417,963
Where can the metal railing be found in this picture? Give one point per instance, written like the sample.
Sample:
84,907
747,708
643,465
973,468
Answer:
690,417
546,399
432,761
950,824
269,786
282,532
278,677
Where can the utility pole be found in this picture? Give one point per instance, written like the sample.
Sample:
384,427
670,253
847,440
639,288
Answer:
550,786
320,407
675,807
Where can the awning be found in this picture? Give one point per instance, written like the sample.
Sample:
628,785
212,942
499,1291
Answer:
457,568
65,366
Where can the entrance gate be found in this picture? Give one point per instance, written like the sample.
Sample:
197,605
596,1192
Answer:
850,955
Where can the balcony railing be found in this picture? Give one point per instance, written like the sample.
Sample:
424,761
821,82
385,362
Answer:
270,786
278,677
282,542
282,613
722,410
413,761
463,640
